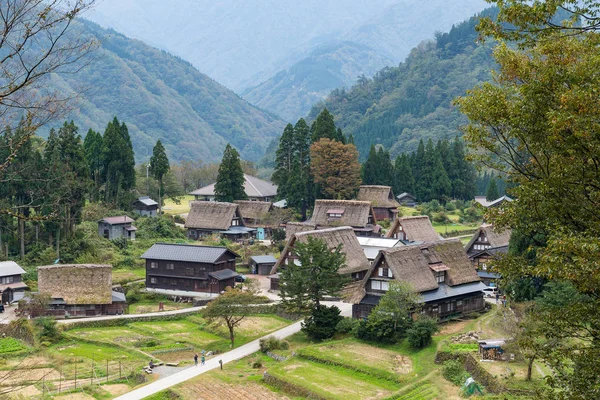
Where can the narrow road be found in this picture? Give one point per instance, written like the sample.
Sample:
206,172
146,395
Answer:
213,363
128,316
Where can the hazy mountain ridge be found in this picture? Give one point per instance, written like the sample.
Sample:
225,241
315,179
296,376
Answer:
160,96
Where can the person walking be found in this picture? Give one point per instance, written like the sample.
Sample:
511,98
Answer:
497,297
196,359
203,359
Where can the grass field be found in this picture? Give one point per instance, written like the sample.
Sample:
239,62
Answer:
152,306
183,207
122,276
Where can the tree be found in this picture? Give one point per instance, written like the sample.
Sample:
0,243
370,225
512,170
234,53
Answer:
230,180
378,169
420,333
399,302
491,193
284,160
404,180
314,276
322,322
36,40
324,128
335,168
230,308
159,166
93,147
535,125
118,172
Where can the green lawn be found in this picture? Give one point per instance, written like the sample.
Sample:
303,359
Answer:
183,207
122,275
148,306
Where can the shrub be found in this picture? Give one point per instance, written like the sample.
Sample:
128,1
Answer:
441,218
450,206
378,328
272,343
419,335
278,235
346,325
159,228
454,372
47,330
133,296
257,363
322,322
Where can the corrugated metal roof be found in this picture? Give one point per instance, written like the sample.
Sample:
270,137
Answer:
10,268
118,297
122,219
185,252
147,201
264,259
253,186
379,242
444,291
223,274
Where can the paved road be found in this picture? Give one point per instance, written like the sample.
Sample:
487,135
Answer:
213,363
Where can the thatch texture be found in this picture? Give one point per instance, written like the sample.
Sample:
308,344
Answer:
416,229
77,283
296,227
356,260
355,213
211,215
414,265
253,210
379,196
494,238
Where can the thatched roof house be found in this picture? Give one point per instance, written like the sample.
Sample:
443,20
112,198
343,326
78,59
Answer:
487,237
382,199
357,214
407,199
356,261
254,212
255,188
413,229
441,272
212,217
77,283
296,227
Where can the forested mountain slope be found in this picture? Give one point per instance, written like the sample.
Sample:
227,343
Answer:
404,104
160,96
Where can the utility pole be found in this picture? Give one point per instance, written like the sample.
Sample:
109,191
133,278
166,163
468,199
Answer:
147,181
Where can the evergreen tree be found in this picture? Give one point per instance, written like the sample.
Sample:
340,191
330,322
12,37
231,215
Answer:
159,166
404,180
378,169
283,161
324,128
119,164
418,168
369,170
461,172
492,191
230,180
93,146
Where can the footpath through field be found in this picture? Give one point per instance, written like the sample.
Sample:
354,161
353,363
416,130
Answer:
128,316
213,363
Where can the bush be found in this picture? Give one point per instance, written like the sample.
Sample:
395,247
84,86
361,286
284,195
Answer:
441,218
322,322
47,330
419,335
454,372
278,235
158,228
450,206
133,296
272,343
257,363
377,328
346,325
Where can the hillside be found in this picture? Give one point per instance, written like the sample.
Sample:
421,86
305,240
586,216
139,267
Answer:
404,104
160,96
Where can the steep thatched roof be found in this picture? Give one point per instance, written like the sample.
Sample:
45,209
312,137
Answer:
253,186
211,215
414,265
253,209
494,238
417,229
379,196
77,283
354,213
355,257
296,227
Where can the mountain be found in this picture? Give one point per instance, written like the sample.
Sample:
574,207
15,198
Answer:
401,105
245,44
160,96
292,92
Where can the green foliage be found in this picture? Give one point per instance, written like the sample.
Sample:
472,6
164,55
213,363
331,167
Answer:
378,169
118,170
454,371
159,166
304,286
324,128
322,322
10,345
272,343
47,330
278,235
420,333
230,180
346,325
158,228
492,193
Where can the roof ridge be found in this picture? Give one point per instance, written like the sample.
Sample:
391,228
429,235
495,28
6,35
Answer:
252,184
337,228
192,245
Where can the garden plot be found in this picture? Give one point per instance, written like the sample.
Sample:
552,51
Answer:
253,327
118,334
333,382
216,389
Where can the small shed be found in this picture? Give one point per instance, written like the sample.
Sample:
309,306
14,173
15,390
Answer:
274,281
116,227
491,349
262,265
145,207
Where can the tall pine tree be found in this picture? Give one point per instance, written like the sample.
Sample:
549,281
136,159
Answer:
404,180
230,180
93,146
324,128
119,164
159,166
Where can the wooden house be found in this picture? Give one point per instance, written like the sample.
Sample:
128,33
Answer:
211,217
487,237
407,199
80,290
261,265
179,269
413,229
256,189
440,272
117,227
382,199
256,215
357,214
296,227
145,206
12,286
356,261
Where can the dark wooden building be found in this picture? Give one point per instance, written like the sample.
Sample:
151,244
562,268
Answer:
382,199
486,237
262,265
407,199
440,272
413,229
216,218
12,286
172,268
145,206
117,227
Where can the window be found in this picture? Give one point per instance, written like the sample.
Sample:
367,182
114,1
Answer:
8,279
484,266
189,271
380,285
153,280
170,266
458,303
153,264
334,215
440,276
370,220
385,285
384,271
235,222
